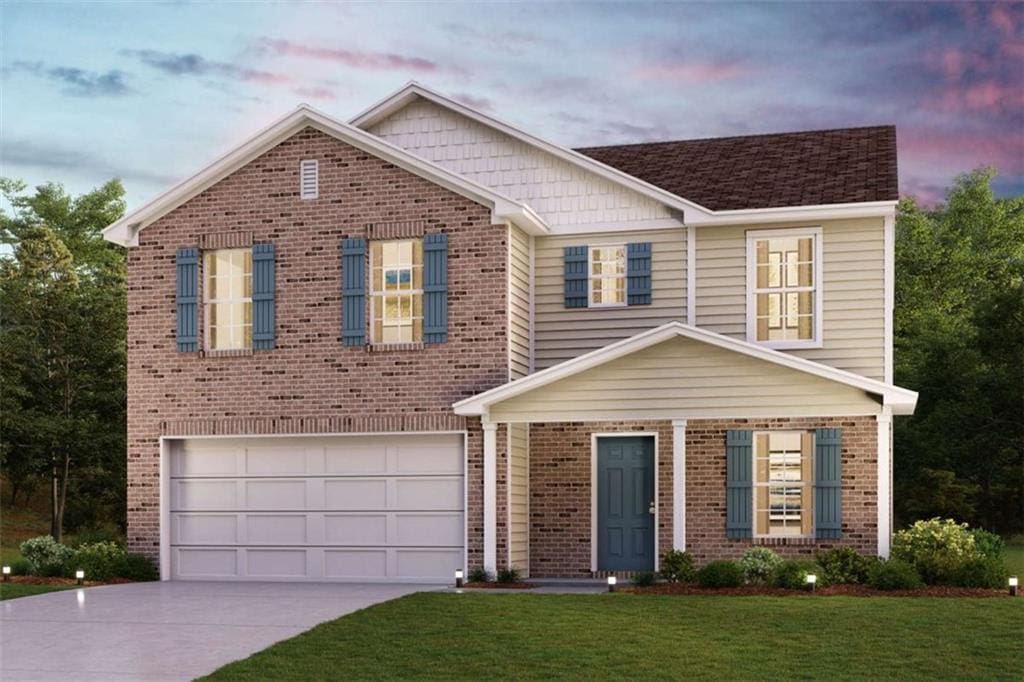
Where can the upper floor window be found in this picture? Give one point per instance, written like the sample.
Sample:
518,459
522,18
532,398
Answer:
784,288
228,298
397,276
783,483
607,267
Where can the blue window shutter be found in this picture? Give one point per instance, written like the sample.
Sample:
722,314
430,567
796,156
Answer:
262,296
435,288
638,273
739,492
828,483
575,276
187,299
353,292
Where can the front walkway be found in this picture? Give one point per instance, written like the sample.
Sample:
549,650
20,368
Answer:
165,630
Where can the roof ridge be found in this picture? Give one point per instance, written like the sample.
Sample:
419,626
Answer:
739,137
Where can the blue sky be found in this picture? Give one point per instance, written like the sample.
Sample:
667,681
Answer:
151,92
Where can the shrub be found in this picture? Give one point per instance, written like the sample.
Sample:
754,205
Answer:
508,575
99,560
936,548
759,564
46,556
137,567
92,534
894,574
645,578
987,544
677,567
792,574
982,571
478,575
720,574
843,566
20,566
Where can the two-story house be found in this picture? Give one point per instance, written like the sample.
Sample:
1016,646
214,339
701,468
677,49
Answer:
426,340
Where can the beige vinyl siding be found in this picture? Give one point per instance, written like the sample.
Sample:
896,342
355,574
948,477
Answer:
683,378
853,296
519,497
519,303
562,333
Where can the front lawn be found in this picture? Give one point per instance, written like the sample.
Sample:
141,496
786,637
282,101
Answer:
15,590
479,636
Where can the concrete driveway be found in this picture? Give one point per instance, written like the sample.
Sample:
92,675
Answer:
165,630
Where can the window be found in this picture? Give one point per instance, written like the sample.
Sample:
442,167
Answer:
228,298
309,179
784,288
784,483
607,275
397,272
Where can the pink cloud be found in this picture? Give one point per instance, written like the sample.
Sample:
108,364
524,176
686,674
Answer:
691,72
480,103
1002,19
315,93
378,61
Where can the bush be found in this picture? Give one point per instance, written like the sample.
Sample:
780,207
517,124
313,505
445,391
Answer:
138,568
720,574
508,575
988,544
645,578
478,575
90,535
981,571
100,560
759,564
45,556
843,566
792,574
894,574
677,567
936,548
20,566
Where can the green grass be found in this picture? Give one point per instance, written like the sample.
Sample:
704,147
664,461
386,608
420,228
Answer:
15,590
1015,560
448,636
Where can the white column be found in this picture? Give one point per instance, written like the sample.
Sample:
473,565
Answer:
490,496
889,292
679,484
884,481
691,276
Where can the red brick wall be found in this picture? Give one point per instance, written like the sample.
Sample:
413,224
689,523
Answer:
310,379
560,489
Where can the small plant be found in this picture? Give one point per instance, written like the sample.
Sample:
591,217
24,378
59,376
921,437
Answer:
508,575
792,574
100,560
720,574
138,568
479,575
759,564
937,548
843,566
981,571
20,566
894,574
677,567
645,578
46,556
988,544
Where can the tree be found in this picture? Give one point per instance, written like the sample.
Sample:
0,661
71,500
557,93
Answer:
959,341
62,350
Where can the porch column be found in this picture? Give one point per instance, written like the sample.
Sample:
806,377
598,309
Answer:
884,481
490,496
679,484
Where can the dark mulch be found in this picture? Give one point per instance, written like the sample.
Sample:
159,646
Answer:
39,580
833,590
500,586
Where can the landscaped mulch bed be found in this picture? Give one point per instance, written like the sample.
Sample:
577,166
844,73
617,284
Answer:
834,590
38,580
499,586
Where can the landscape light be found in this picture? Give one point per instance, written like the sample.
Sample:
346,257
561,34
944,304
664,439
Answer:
612,580
458,577
812,580
7,574
79,576
1013,585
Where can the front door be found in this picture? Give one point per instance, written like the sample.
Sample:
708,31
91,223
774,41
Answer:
625,503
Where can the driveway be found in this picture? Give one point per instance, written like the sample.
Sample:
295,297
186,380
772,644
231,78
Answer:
165,630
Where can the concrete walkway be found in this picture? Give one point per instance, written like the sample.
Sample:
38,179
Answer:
165,630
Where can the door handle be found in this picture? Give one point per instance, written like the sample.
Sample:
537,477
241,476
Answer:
651,508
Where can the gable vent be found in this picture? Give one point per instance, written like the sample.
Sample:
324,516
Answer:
309,179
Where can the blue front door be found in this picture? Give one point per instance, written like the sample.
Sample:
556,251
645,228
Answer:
625,503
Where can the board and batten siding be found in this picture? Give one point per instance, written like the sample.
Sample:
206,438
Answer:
561,192
852,274
519,498
685,379
562,333
519,303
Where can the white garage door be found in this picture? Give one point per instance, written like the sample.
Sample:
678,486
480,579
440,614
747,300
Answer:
317,509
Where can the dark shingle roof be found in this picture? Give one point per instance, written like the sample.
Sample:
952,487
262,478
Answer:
764,171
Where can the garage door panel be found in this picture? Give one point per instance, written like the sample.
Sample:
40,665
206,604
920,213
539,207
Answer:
434,493
418,563
358,458
276,563
367,564
356,494
275,494
195,562
356,529
274,529
205,495
276,461
218,461
440,459
434,530
204,529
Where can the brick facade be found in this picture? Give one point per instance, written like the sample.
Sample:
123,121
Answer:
310,383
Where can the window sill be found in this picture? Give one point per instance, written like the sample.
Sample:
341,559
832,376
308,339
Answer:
390,347
787,541
232,353
787,345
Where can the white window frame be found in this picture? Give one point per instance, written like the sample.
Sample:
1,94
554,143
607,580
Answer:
590,276
374,294
755,485
753,236
208,302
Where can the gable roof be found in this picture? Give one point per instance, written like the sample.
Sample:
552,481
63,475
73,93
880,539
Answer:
125,231
839,166
901,400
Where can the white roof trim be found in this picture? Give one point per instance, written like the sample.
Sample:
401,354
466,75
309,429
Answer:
504,209
901,400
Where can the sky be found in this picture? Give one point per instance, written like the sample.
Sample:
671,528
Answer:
152,92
